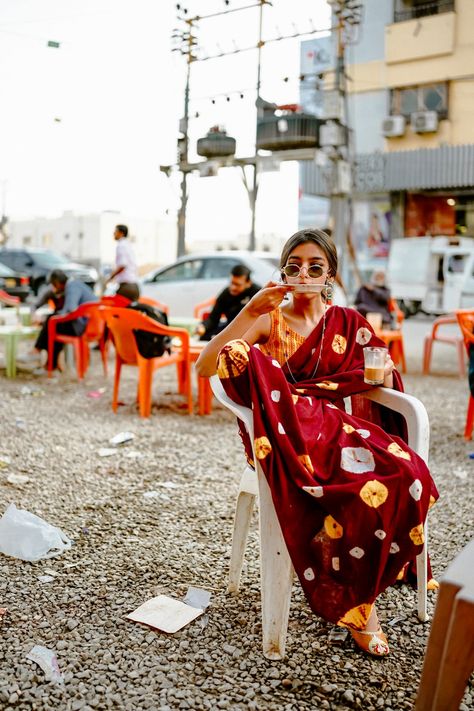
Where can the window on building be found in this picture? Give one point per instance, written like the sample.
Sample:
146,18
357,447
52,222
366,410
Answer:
427,97
410,9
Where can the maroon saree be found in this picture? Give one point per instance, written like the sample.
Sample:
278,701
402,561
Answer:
351,497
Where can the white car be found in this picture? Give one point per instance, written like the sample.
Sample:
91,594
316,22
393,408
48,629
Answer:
198,277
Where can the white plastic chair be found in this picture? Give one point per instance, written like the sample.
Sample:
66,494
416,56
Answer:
276,570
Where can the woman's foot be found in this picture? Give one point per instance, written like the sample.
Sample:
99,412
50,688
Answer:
372,640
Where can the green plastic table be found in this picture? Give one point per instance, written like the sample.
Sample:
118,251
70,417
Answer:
12,335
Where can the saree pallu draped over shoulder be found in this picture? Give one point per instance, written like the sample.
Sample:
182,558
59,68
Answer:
350,495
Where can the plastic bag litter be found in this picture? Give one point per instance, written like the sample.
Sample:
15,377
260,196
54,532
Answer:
198,597
28,537
18,479
47,660
122,438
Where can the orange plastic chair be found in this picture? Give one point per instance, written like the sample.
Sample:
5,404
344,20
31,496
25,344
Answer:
394,339
8,300
457,341
465,319
202,310
94,332
156,304
121,323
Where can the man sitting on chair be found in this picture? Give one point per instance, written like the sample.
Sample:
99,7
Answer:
229,302
75,294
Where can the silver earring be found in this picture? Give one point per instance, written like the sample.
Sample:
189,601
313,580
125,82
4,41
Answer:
328,290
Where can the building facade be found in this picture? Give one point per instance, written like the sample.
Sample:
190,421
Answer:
411,108
89,237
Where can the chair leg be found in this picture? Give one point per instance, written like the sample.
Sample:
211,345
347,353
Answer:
276,576
427,349
422,578
435,647
145,383
103,355
243,515
457,661
461,358
118,368
469,419
79,358
401,351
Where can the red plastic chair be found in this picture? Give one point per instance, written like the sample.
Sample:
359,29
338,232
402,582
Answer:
94,333
457,341
122,323
465,319
8,300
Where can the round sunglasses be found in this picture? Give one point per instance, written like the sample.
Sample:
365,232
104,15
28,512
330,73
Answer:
293,270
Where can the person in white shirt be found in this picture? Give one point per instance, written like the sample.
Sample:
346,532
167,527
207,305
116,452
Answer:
125,272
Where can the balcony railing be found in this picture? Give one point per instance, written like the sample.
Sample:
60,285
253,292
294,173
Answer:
424,10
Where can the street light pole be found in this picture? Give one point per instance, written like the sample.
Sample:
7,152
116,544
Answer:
183,146
254,190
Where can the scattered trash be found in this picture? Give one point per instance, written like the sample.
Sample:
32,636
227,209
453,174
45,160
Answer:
47,660
45,578
471,455
20,423
396,620
337,635
49,571
3,612
95,394
25,390
5,462
18,479
122,438
106,452
198,598
203,621
28,537
156,495
133,454
168,484
460,473
165,614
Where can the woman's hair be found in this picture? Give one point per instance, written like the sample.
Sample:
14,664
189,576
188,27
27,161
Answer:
317,237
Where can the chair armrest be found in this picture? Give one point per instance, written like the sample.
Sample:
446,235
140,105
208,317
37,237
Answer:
412,410
80,312
440,321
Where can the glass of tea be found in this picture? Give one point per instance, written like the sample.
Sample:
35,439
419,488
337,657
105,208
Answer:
374,363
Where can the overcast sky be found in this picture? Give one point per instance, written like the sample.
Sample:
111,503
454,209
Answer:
86,126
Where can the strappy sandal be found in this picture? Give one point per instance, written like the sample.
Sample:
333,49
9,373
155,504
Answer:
374,643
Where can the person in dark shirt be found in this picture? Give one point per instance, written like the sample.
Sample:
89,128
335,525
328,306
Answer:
229,302
374,297
75,293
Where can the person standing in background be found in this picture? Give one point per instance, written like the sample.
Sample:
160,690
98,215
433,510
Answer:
125,272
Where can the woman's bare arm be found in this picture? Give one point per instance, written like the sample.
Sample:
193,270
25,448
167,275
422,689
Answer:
252,323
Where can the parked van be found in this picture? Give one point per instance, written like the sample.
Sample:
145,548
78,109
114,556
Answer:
432,274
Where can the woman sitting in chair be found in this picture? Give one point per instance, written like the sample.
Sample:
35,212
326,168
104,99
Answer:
350,497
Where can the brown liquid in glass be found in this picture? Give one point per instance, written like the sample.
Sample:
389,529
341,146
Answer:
374,375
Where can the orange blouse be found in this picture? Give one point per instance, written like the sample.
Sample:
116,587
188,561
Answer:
282,341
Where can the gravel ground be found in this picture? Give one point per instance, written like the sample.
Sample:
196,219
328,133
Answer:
128,548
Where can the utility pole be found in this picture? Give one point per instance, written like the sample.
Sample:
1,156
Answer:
254,190
348,16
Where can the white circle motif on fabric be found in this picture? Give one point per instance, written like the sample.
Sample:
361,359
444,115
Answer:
309,574
357,552
364,433
275,395
394,548
363,336
416,489
316,491
357,460
276,363
281,429
380,534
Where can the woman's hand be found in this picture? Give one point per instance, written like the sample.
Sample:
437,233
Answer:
267,299
388,372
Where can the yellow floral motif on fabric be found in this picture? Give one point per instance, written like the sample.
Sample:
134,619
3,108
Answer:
417,535
233,359
327,385
250,461
333,528
357,617
348,428
301,390
374,493
295,399
262,447
339,344
394,448
432,501
306,462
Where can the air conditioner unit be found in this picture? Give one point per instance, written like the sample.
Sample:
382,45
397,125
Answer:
393,126
424,121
